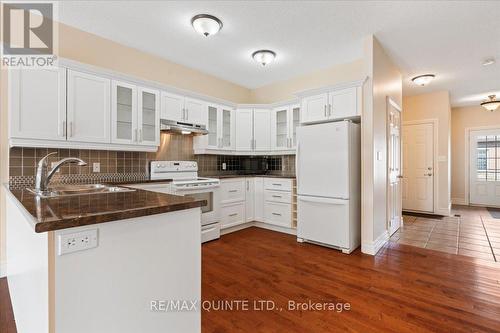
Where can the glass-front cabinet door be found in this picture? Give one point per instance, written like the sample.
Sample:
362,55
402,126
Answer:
148,119
281,128
124,112
213,127
294,123
226,140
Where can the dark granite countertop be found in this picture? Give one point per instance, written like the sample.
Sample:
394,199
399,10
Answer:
74,211
267,175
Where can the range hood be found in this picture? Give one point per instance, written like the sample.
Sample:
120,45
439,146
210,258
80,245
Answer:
173,126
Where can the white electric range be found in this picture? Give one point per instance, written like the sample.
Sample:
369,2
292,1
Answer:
185,182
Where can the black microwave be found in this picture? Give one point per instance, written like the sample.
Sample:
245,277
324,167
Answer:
253,165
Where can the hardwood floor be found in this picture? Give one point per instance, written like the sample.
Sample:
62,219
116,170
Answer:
7,324
402,289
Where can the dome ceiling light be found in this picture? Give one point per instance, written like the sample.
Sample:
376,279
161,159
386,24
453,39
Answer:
206,25
423,80
491,104
264,57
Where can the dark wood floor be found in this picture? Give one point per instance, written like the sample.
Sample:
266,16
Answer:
402,289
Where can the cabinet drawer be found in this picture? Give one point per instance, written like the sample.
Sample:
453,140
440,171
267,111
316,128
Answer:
278,196
232,215
278,184
232,190
278,214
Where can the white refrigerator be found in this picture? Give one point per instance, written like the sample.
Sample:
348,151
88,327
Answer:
329,185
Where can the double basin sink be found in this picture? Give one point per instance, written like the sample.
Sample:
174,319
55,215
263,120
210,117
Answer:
69,190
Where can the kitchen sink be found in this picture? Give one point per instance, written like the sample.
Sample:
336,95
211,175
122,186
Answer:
69,190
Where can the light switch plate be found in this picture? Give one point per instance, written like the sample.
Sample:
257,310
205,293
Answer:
379,155
96,167
78,241
224,166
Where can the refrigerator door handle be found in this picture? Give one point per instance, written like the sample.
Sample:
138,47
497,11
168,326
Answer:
297,158
324,200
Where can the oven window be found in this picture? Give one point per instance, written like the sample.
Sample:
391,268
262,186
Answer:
208,196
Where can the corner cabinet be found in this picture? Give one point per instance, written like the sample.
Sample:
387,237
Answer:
284,123
134,114
333,104
253,130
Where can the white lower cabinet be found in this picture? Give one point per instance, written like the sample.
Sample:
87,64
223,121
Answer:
232,214
278,214
260,199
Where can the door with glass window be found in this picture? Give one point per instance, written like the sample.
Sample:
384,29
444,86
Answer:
484,169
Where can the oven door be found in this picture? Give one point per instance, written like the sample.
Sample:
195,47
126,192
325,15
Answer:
210,212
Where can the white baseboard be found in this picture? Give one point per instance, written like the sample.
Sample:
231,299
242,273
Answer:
373,247
262,225
3,269
459,201
267,226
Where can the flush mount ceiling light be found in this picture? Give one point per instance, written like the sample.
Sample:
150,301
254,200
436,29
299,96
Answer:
264,57
206,25
492,104
423,80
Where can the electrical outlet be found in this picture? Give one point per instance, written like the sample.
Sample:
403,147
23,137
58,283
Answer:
224,166
78,241
96,167
52,166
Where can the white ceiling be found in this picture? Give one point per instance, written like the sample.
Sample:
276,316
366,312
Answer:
450,39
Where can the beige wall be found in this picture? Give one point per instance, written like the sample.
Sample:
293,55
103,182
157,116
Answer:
384,80
436,106
94,50
461,119
284,90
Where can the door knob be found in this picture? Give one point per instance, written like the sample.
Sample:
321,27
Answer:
428,174
429,168
400,176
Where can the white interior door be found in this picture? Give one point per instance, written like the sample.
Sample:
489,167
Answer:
484,174
418,167
394,169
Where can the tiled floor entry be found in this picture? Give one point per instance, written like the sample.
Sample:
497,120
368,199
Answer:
475,233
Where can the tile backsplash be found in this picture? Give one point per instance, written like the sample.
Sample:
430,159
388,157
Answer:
124,165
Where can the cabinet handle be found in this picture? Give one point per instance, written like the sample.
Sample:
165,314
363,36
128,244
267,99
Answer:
325,111
233,214
232,191
277,184
64,128
140,135
330,111
70,129
277,214
276,196
187,114
248,185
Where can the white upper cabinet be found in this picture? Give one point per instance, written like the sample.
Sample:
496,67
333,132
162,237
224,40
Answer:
172,106
343,103
314,108
123,113
262,130
220,129
38,104
148,117
183,109
135,114
244,130
88,108
284,121
194,110
336,104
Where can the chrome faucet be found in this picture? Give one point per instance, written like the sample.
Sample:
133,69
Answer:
43,176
